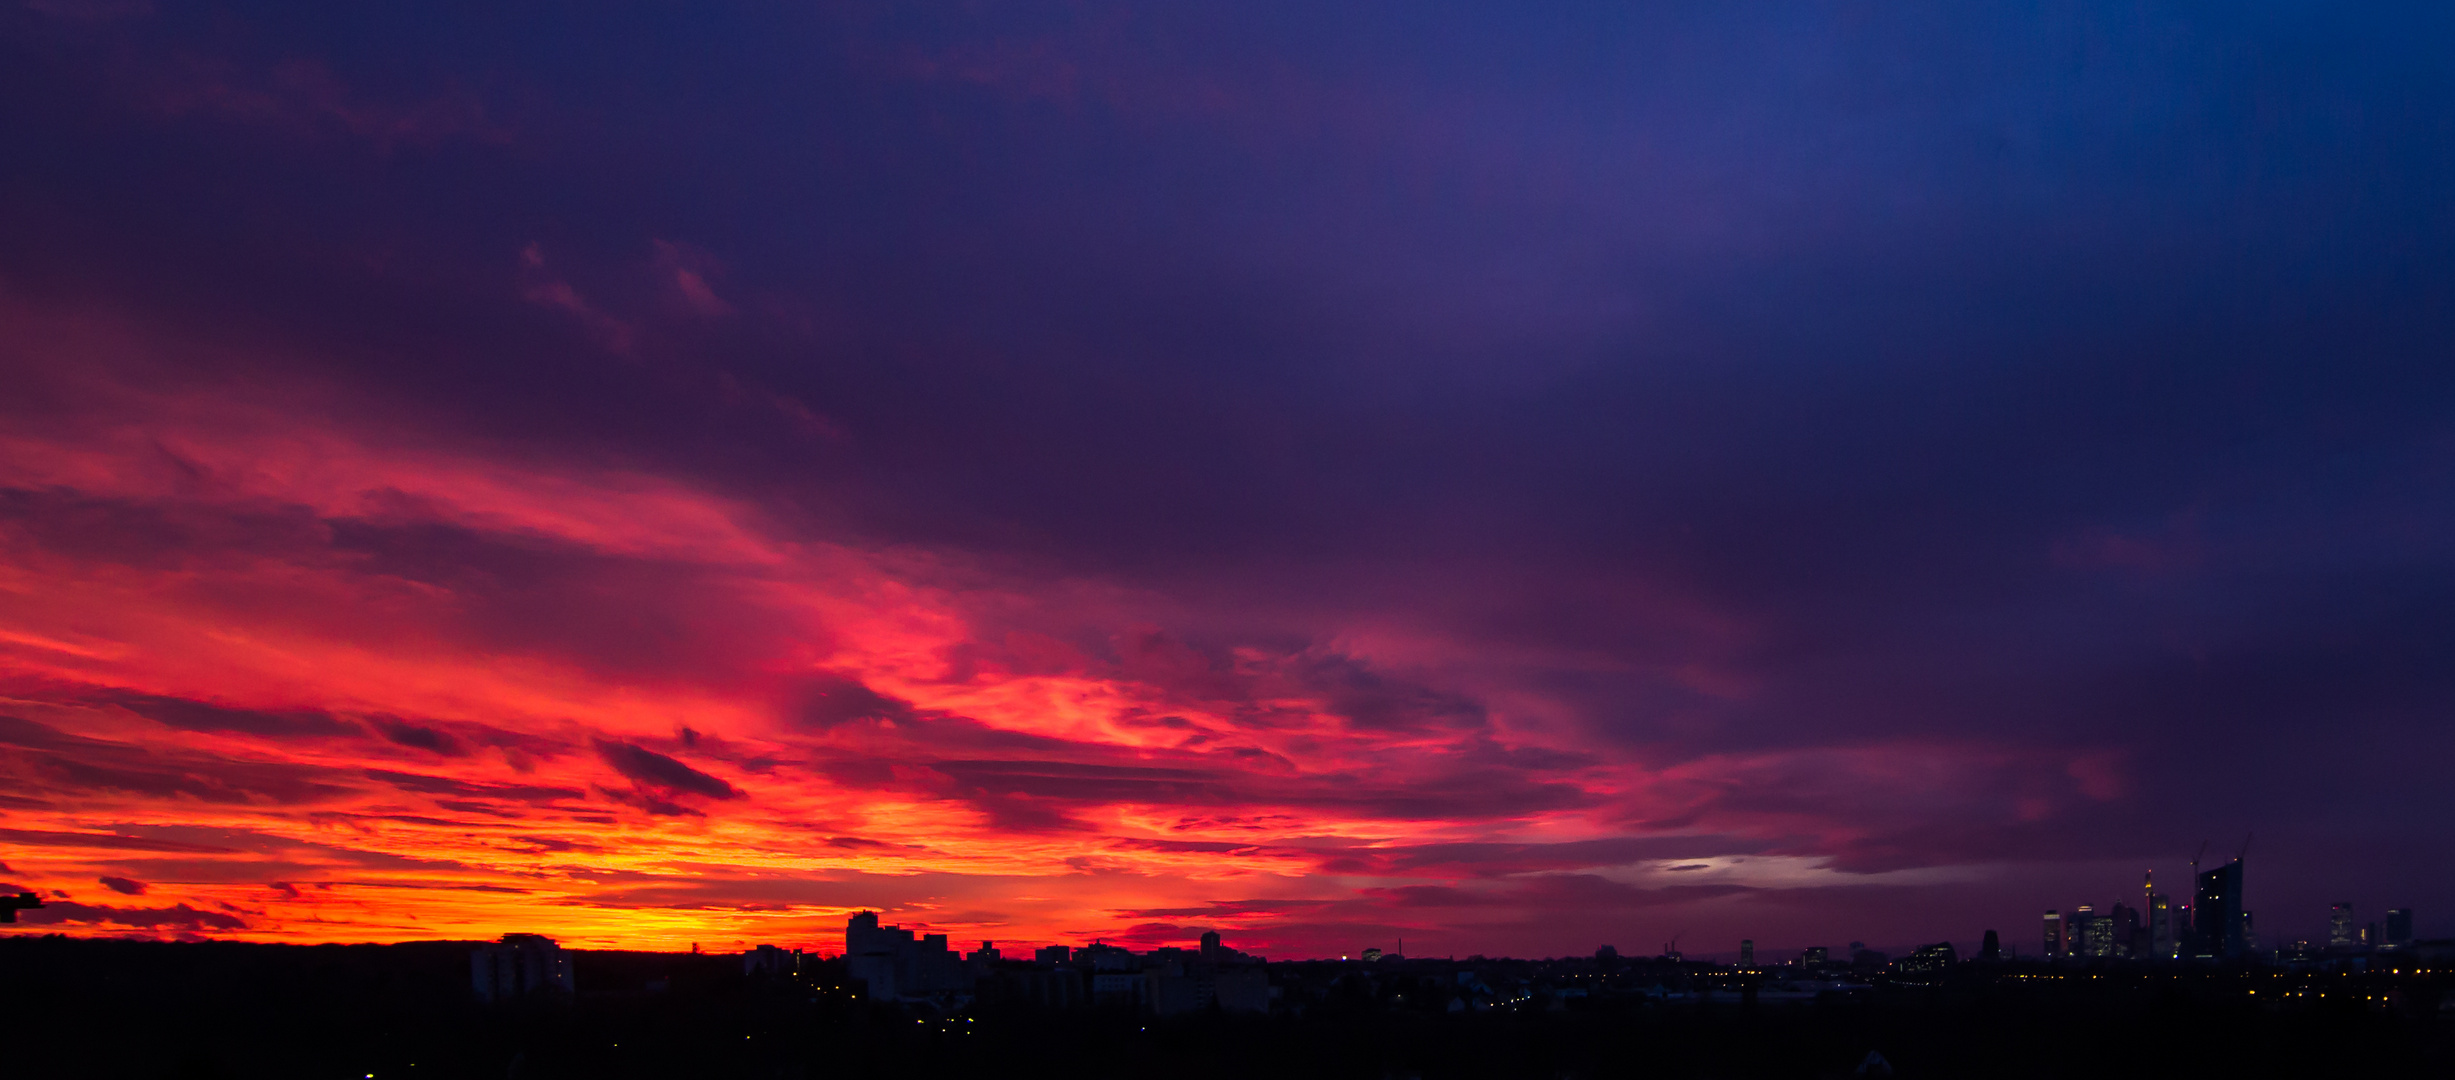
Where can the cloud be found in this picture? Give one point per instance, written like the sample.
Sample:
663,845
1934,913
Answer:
306,97
421,737
615,334
658,772
690,270
208,716
41,758
830,699
535,794
106,841
124,886
176,917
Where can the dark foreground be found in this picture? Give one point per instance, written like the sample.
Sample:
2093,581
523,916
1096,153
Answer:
86,1008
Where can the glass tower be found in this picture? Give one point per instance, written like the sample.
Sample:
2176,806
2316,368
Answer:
2217,932
2399,927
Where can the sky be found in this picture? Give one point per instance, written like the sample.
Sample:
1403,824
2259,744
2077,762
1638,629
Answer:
1505,479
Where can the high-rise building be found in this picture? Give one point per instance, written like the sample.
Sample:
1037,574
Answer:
2090,934
2054,933
1747,952
890,962
2340,925
2144,939
521,966
2217,930
2184,920
2076,925
2399,928
1816,955
2124,924
2163,942
1992,950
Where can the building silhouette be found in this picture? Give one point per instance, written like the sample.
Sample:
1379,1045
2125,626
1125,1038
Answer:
2164,922
2088,933
768,961
2220,929
1928,963
11,905
1174,983
2123,922
891,963
2340,925
2399,928
520,967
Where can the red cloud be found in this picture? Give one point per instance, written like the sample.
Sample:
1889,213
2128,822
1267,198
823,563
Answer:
298,640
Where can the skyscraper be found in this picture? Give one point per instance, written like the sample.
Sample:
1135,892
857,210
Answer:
2340,925
2399,927
2054,933
2163,942
2089,933
2217,930
2183,919
1747,953
2144,939
2125,923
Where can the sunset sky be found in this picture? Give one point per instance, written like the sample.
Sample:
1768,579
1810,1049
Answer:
1509,477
